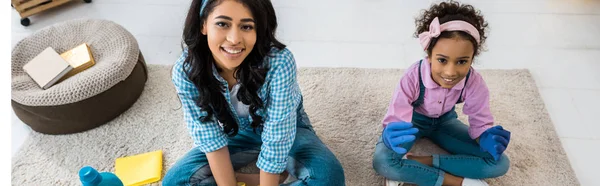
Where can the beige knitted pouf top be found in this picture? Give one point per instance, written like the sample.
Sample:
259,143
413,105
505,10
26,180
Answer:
91,97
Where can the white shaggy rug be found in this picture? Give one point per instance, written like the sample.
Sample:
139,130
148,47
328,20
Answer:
346,107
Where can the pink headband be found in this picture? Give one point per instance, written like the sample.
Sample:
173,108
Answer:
435,29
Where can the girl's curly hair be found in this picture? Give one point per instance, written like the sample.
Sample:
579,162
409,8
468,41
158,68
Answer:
450,11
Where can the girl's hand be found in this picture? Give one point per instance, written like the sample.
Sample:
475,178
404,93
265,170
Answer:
494,141
397,133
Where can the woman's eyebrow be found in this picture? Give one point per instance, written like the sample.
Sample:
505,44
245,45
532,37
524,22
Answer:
230,19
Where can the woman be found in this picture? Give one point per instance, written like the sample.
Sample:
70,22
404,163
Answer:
242,102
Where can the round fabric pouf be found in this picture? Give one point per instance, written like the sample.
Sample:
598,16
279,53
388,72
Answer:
90,98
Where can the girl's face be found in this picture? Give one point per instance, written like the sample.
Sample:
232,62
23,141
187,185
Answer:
450,61
231,34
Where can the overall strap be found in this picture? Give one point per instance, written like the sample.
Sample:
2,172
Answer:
463,89
419,100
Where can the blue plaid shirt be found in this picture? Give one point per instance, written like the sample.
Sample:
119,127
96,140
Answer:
280,94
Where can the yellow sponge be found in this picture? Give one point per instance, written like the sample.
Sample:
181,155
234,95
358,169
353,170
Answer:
139,169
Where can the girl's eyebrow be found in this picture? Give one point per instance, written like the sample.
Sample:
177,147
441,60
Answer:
463,57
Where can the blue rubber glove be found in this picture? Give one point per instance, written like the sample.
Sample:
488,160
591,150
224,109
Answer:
397,133
494,141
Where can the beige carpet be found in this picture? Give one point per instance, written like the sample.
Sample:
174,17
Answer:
345,105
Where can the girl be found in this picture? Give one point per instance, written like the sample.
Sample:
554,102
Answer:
241,101
423,106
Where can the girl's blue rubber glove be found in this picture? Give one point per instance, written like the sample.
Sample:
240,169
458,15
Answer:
397,133
494,141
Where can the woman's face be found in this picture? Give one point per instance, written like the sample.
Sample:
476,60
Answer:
231,33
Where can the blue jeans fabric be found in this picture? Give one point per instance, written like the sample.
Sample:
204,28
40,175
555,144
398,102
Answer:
309,161
466,159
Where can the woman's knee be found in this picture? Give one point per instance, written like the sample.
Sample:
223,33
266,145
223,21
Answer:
331,174
173,178
336,174
186,174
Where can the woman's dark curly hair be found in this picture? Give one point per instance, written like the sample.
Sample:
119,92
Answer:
450,11
250,74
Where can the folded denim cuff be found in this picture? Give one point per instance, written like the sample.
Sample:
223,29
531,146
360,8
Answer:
440,179
436,161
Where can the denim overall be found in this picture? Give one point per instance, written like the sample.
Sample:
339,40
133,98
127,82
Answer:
465,158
